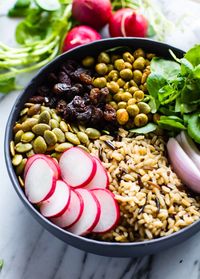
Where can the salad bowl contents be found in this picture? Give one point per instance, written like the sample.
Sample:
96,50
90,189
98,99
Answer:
111,131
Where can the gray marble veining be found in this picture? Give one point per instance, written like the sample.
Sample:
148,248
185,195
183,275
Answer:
30,252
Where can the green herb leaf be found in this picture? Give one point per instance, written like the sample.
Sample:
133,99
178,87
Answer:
7,85
48,5
194,127
171,123
166,68
193,55
154,83
20,9
150,127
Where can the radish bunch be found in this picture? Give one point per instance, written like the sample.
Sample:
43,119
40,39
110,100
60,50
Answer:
72,194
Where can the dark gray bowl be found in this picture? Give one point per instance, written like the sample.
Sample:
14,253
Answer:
133,249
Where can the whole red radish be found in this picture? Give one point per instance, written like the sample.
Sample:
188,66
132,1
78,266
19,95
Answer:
95,13
128,23
80,35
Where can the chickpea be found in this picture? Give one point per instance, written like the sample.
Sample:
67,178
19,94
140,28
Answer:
122,105
88,61
139,63
138,95
122,116
114,105
128,65
138,52
101,69
126,74
150,55
132,89
144,107
128,57
99,82
140,120
110,67
133,110
117,97
114,57
121,82
156,117
126,96
132,83
103,58
113,87
119,64
126,86
131,101
113,75
137,76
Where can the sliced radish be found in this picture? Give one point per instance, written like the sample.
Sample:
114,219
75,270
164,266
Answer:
72,213
58,202
77,167
90,215
52,163
100,179
40,181
109,211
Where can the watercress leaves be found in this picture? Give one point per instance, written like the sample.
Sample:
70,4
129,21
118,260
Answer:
150,127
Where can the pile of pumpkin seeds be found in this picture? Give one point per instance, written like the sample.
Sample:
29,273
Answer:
41,130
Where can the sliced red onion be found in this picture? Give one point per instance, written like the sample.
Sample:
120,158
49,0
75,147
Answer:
183,166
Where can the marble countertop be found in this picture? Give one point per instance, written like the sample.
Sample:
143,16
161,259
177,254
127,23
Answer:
30,252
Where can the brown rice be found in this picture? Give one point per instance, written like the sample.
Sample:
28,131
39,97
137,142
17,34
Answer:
153,201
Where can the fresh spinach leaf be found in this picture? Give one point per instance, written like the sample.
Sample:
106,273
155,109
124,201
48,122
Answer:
150,127
194,127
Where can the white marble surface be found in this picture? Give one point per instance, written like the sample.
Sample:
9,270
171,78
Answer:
30,252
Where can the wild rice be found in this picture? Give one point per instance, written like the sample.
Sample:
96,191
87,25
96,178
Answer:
153,201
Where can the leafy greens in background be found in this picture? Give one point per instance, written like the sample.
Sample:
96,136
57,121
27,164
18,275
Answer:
174,87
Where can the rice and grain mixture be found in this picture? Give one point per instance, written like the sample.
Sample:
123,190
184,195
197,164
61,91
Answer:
153,201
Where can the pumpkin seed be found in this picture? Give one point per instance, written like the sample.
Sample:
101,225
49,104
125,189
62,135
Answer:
23,147
63,146
50,137
21,182
21,166
53,123
74,128
72,138
34,109
55,116
43,108
27,137
83,137
59,134
83,147
17,127
16,160
92,133
23,119
70,128
18,136
30,153
64,126
12,148
44,117
28,124
39,145
40,128
24,111
81,128
56,155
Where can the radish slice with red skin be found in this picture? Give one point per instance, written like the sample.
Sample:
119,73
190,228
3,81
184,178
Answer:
100,179
40,181
72,213
90,215
52,163
77,167
57,204
110,212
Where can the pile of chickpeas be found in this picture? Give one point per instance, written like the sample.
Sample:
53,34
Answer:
125,76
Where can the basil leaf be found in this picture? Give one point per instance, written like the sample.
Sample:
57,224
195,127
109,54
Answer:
150,127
